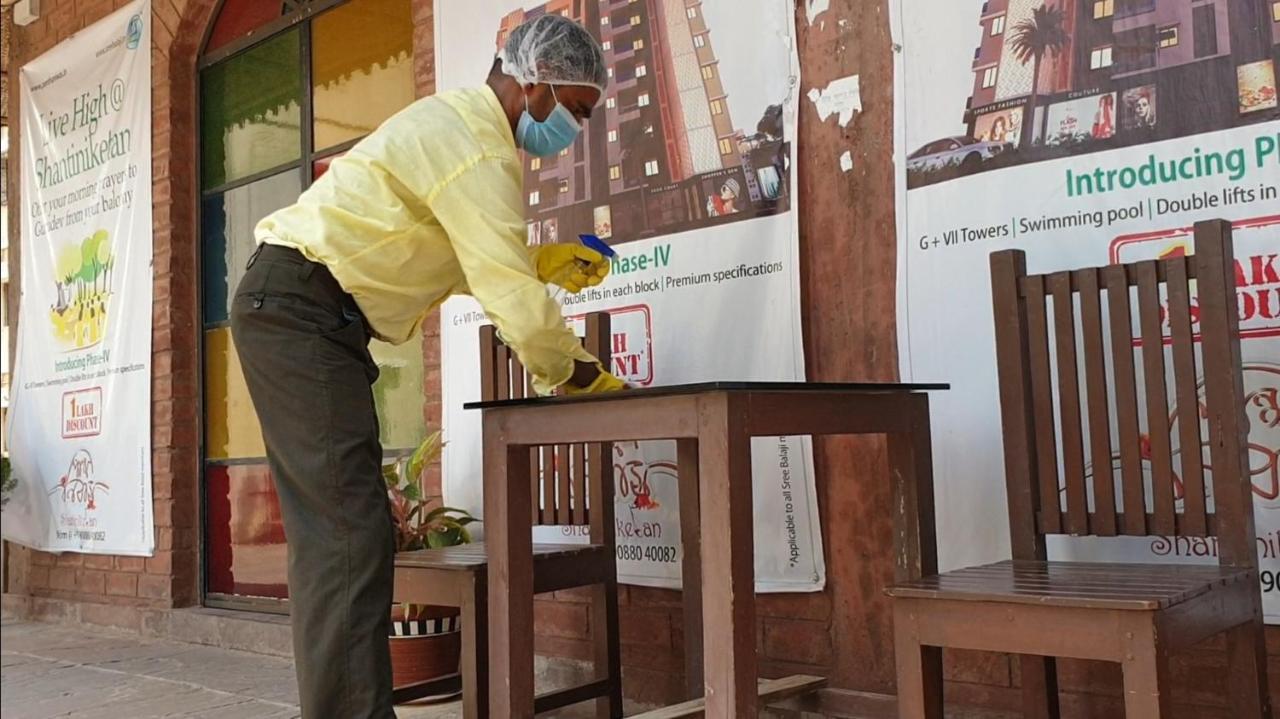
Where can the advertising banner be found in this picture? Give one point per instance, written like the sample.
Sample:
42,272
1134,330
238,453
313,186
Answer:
1146,117
80,428
686,169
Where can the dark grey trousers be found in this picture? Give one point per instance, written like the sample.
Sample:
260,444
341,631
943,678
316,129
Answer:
303,345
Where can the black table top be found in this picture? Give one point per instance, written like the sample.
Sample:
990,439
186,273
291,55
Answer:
701,387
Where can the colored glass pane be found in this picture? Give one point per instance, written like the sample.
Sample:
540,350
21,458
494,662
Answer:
227,220
244,534
398,393
239,18
362,68
251,111
231,429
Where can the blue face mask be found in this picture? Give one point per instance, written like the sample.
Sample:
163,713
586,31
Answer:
550,136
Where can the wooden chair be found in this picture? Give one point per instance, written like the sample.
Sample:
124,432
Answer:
1132,614
574,487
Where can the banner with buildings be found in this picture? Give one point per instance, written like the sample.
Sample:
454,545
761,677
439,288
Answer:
80,428
686,169
1083,132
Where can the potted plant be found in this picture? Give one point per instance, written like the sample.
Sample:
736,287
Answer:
425,640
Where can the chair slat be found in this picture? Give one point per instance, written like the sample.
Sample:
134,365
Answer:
1042,405
548,458
1157,398
503,377
1059,285
488,369
1192,520
519,380
1103,520
579,485
1119,308
564,501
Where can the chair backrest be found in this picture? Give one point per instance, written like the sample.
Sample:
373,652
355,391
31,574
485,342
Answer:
565,478
1082,455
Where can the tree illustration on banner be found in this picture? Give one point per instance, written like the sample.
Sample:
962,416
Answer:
1044,33
83,277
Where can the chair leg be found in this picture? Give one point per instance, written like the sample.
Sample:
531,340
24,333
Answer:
1247,669
475,650
1039,687
608,652
919,669
1146,674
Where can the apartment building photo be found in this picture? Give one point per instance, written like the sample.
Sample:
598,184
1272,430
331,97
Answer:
1120,72
662,154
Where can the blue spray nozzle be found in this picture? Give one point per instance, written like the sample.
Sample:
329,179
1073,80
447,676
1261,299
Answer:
598,245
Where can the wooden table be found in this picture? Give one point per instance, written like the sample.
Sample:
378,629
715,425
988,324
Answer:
713,425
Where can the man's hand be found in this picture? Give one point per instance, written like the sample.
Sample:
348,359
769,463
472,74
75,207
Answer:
592,379
570,265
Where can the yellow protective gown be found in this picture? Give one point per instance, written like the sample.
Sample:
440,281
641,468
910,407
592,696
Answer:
431,204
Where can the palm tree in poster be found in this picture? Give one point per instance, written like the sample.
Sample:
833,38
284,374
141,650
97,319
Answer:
1041,34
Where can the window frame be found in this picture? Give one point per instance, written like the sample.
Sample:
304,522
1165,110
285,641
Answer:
1173,41
990,73
1107,51
1103,9
300,18
997,25
657,169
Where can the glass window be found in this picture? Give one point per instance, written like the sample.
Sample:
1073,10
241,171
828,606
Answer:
564,186
1100,58
997,26
611,103
635,20
726,146
1103,9
360,56
615,172
535,164
692,12
708,72
362,68
1168,36
607,45
699,40
638,44
717,107
604,20
534,198
246,553
250,107
989,77
1204,28
642,70
239,18
227,220
651,168
1275,11
613,136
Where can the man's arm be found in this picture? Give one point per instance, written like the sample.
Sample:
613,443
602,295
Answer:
487,234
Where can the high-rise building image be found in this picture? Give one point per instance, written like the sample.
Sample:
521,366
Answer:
1094,74
661,154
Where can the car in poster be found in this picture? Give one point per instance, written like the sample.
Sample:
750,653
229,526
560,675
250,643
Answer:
960,152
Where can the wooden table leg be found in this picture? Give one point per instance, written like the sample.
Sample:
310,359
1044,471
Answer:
915,543
728,584
691,564
509,538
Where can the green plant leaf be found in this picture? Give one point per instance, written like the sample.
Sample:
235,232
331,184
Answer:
425,454
413,492
391,473
449,538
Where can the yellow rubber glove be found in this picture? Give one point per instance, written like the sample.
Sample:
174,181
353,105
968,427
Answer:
604,382
570,265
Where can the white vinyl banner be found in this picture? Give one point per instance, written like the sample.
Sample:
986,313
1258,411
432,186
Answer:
1084,134
81,420
685,168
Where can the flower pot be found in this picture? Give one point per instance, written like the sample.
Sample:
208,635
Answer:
424,647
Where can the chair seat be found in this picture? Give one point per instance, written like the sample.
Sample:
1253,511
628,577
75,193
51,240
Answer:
475,557
1088,585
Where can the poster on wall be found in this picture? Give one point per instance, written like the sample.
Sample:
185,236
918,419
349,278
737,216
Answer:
685,168
1149,116
80,429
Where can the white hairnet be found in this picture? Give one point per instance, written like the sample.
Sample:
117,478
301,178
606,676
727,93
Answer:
555,50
